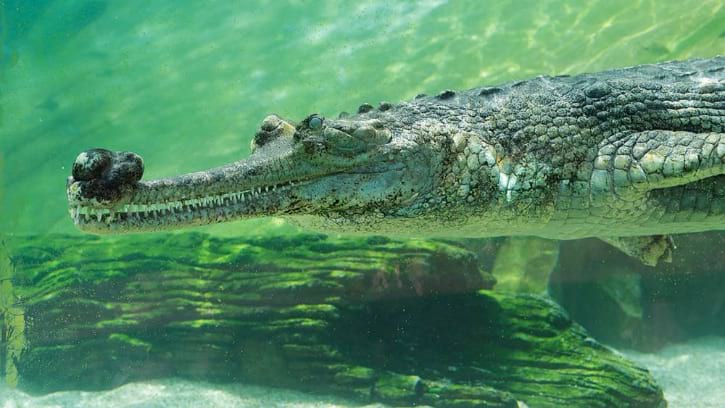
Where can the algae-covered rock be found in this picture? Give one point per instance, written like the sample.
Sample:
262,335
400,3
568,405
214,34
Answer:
400,322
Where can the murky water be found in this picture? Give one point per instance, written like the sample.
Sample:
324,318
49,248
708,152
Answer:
185,84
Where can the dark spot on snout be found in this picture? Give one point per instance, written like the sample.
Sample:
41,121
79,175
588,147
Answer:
127,168
103,173
92,164
124,167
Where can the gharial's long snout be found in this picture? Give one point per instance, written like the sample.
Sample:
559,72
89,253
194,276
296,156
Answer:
290,171
106,194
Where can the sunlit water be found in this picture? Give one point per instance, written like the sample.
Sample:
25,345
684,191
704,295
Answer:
185,83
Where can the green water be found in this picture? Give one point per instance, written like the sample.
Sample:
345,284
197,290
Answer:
185,84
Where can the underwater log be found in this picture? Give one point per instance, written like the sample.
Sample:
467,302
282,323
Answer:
401,322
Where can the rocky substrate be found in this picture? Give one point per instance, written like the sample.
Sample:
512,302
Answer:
373,319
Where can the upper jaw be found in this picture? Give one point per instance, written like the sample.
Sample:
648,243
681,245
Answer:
240,190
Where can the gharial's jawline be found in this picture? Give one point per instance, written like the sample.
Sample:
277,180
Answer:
187,207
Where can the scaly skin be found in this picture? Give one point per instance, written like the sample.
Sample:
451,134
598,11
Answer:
626,152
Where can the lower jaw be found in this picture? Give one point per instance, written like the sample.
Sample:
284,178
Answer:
129,222
254,202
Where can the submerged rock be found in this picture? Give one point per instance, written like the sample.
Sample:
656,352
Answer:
378,320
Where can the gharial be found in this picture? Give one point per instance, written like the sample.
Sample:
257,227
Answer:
629,155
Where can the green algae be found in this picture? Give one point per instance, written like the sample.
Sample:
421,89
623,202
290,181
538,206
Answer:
312,328
130,341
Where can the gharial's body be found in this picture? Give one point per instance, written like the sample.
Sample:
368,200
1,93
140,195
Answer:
634,151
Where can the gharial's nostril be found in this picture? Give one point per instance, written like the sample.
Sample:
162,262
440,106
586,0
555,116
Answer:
91,164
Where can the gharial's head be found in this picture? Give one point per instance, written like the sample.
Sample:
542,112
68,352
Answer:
355,169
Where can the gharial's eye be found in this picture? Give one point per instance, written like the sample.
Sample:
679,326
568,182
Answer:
315,122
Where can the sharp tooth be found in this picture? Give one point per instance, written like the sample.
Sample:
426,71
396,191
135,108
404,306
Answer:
291,183
99,215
